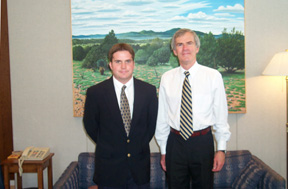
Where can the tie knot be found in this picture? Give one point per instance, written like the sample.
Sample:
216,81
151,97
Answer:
124,87
186,73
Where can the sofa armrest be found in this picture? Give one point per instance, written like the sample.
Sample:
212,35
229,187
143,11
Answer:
157,175
270,179
69,178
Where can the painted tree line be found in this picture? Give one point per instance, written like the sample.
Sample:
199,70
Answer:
226,51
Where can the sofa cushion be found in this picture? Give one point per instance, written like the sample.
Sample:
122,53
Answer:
235,162
249,177
86,163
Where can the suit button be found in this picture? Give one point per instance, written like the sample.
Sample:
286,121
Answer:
128,141
128,155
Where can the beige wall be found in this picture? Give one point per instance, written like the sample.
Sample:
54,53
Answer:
41,79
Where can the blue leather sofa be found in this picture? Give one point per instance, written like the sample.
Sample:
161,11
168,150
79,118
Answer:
1,179
241,170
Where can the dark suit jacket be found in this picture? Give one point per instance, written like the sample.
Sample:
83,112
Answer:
116,153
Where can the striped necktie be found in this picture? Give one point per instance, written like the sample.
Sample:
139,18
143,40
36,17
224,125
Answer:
186,119
125,110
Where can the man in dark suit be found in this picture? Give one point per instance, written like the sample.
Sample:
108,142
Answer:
122,131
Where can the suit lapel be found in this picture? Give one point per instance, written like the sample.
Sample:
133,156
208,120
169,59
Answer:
111,101
137,104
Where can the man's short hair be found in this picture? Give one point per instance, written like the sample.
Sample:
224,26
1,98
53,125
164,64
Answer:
120,47
181,32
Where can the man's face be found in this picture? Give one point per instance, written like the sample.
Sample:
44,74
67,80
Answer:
185,49
122,66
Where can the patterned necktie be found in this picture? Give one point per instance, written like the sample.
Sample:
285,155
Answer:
125,110
186,119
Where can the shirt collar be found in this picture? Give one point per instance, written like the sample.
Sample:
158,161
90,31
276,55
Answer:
119,85
192,70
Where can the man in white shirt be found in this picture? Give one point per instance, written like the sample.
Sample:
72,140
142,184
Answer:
191,158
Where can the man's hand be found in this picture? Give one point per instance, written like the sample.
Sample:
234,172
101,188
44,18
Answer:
219,161
163,162
93,187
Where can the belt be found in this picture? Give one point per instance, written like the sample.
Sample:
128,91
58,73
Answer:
195,133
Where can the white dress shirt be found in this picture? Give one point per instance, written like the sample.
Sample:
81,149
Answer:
129,91
208,101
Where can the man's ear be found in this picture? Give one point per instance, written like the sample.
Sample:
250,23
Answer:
110,65
175,53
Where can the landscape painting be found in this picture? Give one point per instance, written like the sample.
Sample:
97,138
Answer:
148,27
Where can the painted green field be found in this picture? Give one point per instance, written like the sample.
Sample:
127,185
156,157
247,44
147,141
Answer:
235,91
84,78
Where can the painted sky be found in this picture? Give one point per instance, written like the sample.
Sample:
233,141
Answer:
101,16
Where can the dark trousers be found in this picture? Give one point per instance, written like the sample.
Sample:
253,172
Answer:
130,184
190,161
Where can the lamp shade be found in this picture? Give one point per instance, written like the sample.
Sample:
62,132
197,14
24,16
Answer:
278,65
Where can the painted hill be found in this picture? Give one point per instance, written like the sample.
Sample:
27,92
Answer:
144,34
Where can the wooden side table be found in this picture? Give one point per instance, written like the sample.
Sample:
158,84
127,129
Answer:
29,166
